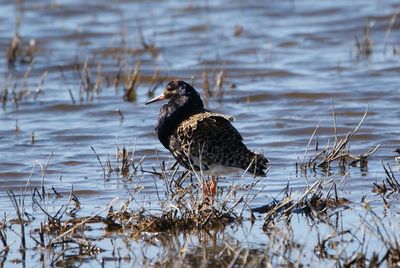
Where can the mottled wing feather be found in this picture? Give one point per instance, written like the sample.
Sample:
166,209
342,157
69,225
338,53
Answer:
211,138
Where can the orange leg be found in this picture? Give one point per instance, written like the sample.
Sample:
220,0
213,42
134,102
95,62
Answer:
204,188
213,188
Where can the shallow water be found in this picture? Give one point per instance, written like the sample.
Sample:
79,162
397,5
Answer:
292,60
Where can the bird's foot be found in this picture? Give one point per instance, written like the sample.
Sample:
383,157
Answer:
213,189
209,192
204,188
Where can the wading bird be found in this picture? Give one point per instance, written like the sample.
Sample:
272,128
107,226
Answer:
200,140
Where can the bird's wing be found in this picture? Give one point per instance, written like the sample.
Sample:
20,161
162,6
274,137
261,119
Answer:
211,114
208,127
208,138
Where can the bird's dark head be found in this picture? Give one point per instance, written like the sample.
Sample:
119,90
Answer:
184,101
179,92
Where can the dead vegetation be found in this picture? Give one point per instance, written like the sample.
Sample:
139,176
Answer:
56,228
381,228
15,93
214,90
66,232
389,30
390,185
90,77
364,47
20,51
339,152
314,203
62,232
131,80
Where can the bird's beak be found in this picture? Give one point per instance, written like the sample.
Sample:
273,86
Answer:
161,97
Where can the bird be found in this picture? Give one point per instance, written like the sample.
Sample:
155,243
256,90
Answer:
200,140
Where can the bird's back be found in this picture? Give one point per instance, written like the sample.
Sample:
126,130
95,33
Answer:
209,142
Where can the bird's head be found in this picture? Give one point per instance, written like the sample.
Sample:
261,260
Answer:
178,91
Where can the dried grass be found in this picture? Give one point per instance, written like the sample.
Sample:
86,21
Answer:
340,151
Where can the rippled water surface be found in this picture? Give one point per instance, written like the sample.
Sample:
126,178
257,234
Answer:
285,64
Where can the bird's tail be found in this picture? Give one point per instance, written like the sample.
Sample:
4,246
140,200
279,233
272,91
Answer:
257,164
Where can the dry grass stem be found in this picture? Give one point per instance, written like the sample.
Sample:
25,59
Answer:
131,82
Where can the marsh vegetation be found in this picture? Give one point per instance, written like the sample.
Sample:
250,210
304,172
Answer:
84,181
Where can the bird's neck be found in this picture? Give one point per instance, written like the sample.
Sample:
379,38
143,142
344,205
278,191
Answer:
173,114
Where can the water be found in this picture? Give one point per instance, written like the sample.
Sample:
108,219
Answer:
283,72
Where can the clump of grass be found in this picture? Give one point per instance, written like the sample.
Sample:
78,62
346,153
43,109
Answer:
213,89
314,203
86,87
131,82
182,207
390,185
89,85
19,52
340,151
125,163
62,233
21,91
179,217
364,48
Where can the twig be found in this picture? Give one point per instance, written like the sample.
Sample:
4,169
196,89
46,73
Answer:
98,158
72,96
334,122
309,141
19,215
44,173
390,27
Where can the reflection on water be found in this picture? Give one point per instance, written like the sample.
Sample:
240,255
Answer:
285,63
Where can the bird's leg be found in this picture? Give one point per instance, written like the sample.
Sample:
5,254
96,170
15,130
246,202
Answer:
204,188
213,188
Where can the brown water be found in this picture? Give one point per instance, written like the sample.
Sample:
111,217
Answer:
292,59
